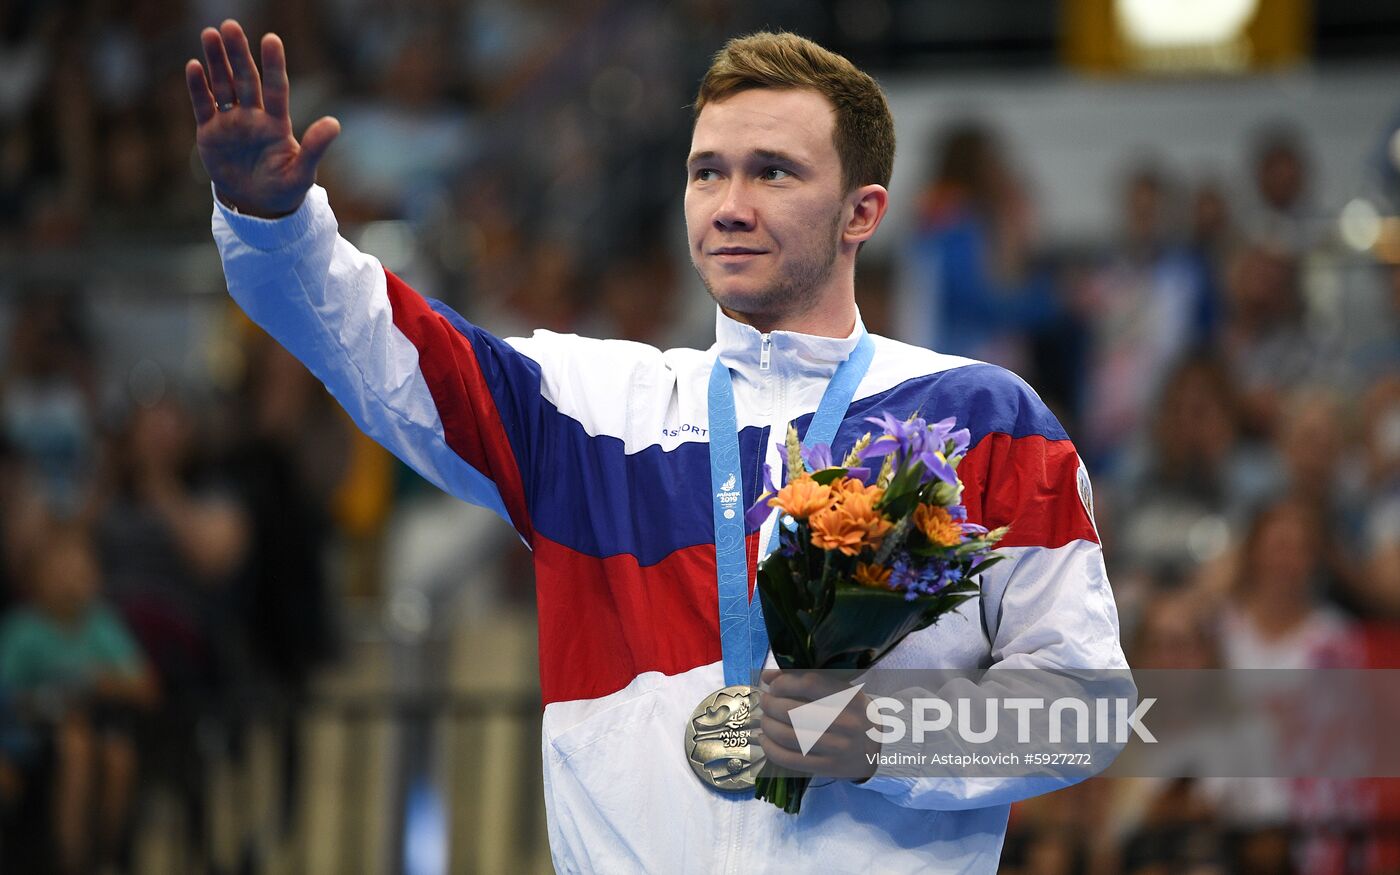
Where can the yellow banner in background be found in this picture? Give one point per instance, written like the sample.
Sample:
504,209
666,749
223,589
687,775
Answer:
1173,37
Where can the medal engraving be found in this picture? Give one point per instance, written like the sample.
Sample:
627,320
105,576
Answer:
721,739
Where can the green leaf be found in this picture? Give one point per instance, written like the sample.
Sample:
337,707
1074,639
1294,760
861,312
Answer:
872,620
789,638
984,565
827,476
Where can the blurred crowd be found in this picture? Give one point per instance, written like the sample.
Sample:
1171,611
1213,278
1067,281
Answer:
1230,372
1231,375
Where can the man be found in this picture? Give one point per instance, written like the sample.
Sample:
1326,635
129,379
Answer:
599,453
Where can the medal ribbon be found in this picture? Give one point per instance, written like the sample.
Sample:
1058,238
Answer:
743,636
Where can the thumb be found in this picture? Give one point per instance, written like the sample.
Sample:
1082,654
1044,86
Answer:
317,140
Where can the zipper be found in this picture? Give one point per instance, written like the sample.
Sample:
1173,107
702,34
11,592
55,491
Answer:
765,352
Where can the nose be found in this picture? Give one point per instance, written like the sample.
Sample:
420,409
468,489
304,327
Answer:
735,211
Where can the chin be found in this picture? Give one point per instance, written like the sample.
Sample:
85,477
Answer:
742,295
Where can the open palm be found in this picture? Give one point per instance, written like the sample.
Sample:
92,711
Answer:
244,129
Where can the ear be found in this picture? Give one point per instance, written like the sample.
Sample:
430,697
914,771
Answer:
867,206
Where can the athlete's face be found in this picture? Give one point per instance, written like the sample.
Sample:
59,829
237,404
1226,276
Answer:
764,203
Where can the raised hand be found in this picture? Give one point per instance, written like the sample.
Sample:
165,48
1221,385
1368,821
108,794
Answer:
244,129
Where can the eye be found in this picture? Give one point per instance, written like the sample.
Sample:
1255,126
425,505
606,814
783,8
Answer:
773,174
704,174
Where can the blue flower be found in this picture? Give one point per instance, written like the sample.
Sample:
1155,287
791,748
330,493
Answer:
903,575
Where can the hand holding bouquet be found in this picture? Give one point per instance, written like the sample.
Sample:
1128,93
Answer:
866,555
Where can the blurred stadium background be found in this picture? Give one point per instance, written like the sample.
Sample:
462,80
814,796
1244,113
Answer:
1179,219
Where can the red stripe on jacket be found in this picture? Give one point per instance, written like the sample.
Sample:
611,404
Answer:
1029,483
605,621
470,420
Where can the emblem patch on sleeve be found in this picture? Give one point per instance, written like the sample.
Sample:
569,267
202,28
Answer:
1086,493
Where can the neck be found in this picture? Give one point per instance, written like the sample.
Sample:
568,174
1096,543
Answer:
837,321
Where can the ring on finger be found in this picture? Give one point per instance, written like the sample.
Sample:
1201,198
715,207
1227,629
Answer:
225,107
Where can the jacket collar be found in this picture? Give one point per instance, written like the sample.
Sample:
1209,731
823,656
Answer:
740,347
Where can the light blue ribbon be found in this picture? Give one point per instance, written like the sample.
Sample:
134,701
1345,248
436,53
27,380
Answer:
743,636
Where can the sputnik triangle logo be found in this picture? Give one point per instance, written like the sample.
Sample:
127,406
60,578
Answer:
811,721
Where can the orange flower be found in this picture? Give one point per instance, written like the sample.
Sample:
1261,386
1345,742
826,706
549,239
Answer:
873,576
802,497
844,486
937,526
850,526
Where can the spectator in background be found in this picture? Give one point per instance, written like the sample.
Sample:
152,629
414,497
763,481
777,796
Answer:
1282,218
18,512
403,147
1377,357
16,180
1275,615
129,177
1143,310
48,398
1323,467
1264,339
173,536
1156,824
74,665
1380,505
1188,491
968,267
545,293
288,459
1212,238
637,297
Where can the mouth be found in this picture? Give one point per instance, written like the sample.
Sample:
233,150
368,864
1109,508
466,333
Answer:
736,253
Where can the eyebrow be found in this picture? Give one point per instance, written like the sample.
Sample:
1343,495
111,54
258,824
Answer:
764,154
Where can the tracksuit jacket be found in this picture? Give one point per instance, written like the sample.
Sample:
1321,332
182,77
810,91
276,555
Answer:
596,452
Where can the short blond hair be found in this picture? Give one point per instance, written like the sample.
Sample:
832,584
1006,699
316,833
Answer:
864,134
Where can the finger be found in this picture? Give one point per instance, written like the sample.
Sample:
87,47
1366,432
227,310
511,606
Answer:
276,89
779,707
246,82
201,98
317,140
805,685
216,66
779,733
789,760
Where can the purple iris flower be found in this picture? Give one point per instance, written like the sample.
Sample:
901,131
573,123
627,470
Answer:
937,433
961,439
817,457
904,438
937,467
755,516
863,474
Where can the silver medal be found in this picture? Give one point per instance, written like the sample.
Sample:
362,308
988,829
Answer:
721,739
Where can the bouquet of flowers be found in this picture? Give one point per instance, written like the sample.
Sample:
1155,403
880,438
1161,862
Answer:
865,555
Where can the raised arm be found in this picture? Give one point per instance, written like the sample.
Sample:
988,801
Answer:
244,131
458,405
